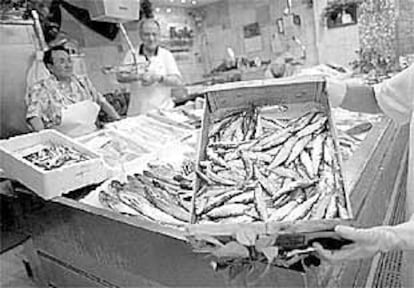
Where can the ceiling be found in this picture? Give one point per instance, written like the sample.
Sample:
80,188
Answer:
181,3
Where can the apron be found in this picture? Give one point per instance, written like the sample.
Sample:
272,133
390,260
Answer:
146,98
79,118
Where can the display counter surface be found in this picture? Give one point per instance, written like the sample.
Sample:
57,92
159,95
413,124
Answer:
74,244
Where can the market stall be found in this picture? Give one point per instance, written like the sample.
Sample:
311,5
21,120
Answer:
141,201
78,239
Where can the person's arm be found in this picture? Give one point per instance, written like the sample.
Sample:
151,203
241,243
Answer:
352,95
35,124
99,99
360,97
172,80
109,109
370,241
392,97
126,77
34,100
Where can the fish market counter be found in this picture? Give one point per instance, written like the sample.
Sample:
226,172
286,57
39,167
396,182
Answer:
74,244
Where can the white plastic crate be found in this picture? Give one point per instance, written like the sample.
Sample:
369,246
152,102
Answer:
55,182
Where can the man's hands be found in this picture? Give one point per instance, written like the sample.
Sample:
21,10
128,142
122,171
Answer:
367,243
127,77
149,78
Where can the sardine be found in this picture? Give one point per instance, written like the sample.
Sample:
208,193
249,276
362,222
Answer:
317,152
213,191
238,134
306,160
319,209
244,198
267,185
292,186
284,153
162,178
166,204
328,150
273,140
236,219
112,202
232,175
227,133
218,127
228,210
302,210
331,210
204,177
217,179
281,201
301,170
343,213
274,151
260,202
298,148
298,124
224,145
285,172
142,205
248,166
258,156
275,124
283,211
312,128
231,156
220,200
215,158
236,164
251,131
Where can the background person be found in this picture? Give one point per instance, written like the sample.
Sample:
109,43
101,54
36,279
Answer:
64,101
395,98
150,89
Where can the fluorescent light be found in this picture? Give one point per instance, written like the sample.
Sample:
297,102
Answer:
194,2
168,10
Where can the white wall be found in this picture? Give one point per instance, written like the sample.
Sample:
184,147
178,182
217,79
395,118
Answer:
335,45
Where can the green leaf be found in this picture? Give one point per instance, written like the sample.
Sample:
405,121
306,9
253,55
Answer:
270,253
265,241
232,250
246,237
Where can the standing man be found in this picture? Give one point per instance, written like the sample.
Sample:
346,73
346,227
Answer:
152,88
395,98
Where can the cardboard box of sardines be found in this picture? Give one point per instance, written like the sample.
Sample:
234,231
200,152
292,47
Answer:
269,173
50,163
